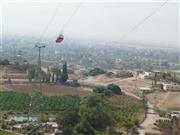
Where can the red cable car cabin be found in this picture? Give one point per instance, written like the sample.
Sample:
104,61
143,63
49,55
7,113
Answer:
60,38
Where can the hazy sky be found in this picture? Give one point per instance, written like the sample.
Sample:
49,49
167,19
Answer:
95,20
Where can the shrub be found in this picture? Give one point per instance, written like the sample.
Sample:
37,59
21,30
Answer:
114,88
83,128
111,88
43,118
96,71
67,119
4,62
99,89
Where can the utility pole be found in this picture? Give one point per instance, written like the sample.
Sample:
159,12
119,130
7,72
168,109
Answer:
174,77
155,78
135,83
40,45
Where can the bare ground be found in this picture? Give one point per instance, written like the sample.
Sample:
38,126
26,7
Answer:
169,101
47,89
126,84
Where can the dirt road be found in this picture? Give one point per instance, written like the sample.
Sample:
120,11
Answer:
151,117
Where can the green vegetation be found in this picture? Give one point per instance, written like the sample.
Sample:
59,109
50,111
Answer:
19,102
100,115
114,88
11,101
96,71
43,118
60,103
125,110
171,77
159,86
6,133
96,114
4,62
3,115
111,88
64,75
57,74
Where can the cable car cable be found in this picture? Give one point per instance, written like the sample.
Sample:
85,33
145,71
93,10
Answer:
50,21
72,15
142,21
60,37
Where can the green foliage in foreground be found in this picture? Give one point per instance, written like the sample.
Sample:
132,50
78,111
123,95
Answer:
100,115
92,115
6,133
11,101
19,102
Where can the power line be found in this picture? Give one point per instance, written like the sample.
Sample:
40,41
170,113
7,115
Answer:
50,21
1,23
142,21
72,15
136,45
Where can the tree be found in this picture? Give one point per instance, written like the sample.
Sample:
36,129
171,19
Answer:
99,89
128,125
31,130
84,128
92,101
111,88
31,73
43,118
64,75
91,111
96,71
4,62
98,119
67,119
4,125
114,88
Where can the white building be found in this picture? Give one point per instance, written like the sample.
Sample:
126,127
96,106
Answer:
171,87
143,75
146,90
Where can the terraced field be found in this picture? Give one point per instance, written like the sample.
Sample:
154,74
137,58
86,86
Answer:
19,102
6,133
47,89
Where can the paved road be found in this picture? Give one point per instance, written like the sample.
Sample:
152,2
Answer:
151,117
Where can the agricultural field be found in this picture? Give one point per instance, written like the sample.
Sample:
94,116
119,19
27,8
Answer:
133,109
121,110
6,133
16,76
47,89
20,102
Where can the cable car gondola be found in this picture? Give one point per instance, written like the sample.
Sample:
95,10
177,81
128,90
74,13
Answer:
60,38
